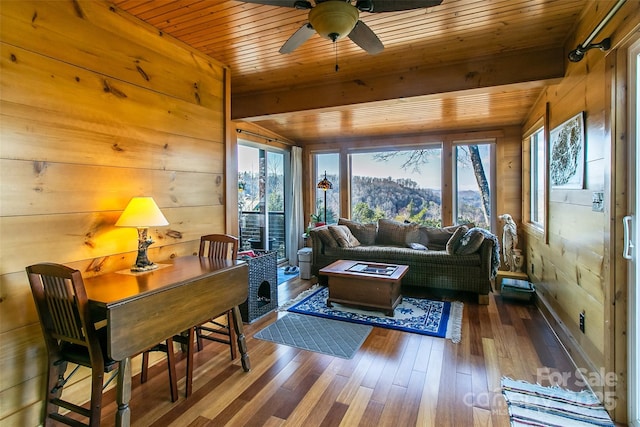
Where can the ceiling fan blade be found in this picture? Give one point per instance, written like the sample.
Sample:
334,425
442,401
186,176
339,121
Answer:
376,6
283,3
302,35
366,39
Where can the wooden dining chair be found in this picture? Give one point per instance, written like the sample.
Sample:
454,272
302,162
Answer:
218,246
70,336
215,246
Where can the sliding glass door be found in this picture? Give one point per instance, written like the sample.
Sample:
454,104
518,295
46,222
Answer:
261,198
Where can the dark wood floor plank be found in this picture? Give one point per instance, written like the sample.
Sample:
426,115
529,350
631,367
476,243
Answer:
472,312
229,412
287,406
505,318
463,364
373,414
334,415
318,412
266,401
539,342
408,415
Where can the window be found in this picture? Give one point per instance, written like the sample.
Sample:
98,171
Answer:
473,198
537,179
328,163
401,185
261,175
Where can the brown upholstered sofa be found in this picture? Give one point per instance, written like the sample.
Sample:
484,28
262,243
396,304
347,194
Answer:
452,258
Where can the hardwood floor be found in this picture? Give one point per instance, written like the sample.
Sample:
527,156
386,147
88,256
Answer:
395,379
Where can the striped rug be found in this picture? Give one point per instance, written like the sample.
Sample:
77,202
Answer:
535,405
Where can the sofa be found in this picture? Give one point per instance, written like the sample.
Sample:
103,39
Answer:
460,258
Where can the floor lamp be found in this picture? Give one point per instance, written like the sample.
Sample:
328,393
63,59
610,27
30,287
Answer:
325,185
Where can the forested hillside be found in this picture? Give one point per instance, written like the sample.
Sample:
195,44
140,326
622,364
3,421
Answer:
402,199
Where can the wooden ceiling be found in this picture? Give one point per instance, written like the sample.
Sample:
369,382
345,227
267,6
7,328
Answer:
462,65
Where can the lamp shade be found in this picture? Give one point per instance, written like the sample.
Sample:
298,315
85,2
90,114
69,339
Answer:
141,212
325,184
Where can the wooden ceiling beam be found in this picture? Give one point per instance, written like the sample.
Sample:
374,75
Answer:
521,67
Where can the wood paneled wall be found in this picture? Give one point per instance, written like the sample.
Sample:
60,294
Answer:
574,270
95,108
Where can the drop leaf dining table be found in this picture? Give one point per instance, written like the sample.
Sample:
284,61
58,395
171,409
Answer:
143,309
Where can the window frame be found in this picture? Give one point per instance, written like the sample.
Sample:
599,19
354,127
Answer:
286,165
491,144
317,172
528,179
438,144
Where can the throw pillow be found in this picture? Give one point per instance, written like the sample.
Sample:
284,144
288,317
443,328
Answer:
343,236
454,240
470,242
418,246
326,237
365,233
436,238
396,233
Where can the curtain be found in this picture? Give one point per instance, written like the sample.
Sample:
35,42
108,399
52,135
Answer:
295,221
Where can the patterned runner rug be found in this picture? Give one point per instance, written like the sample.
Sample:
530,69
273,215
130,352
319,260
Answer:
315,334
420,316
535,405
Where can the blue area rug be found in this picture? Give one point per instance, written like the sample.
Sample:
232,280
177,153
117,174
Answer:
420,316
535,405
325,336
282,277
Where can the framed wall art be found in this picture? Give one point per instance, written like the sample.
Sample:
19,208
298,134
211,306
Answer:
566,165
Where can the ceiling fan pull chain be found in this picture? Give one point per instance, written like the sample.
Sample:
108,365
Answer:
336,48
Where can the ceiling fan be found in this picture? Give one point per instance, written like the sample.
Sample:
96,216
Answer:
336,19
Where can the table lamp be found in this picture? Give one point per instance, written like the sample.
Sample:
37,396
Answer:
142,213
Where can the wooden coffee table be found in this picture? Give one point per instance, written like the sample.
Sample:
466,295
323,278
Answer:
366,284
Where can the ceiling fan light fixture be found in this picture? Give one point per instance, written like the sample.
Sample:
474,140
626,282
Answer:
333,19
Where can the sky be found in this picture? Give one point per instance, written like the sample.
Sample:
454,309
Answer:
364,164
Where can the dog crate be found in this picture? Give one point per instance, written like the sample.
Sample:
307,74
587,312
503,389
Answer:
263,286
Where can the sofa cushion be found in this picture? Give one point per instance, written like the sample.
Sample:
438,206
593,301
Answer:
392,232
343,236
454,240
423,261
365,233
326,237
470,242
436,238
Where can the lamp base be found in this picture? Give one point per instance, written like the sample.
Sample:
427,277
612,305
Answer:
142,261
139,268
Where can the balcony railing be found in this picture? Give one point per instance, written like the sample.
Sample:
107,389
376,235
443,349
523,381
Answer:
252,232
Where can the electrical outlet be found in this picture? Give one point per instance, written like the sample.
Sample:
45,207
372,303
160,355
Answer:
597,201
582,321
533,268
